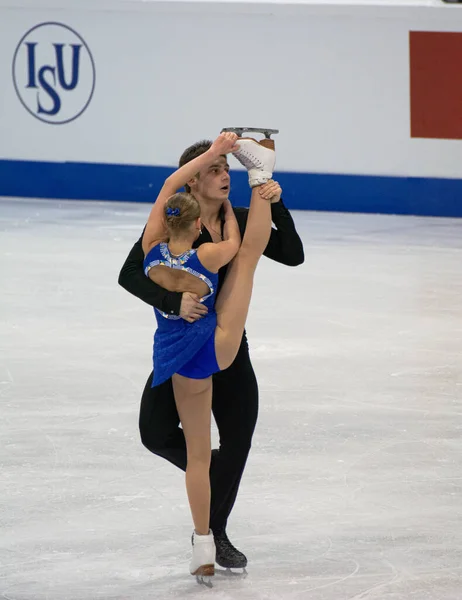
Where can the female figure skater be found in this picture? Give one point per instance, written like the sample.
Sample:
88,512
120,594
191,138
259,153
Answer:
191,352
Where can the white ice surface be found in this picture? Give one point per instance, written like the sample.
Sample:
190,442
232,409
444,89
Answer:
353,485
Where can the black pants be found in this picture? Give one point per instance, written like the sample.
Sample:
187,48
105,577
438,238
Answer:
235,409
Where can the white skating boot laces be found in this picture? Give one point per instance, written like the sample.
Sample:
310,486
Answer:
249,160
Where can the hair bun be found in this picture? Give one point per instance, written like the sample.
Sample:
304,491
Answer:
173,212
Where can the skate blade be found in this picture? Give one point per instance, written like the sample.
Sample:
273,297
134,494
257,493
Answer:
202,580
204,575
236,572
240,130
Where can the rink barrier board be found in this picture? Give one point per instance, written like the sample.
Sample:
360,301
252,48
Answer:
424,196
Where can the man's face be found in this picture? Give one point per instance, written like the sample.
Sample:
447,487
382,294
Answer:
213,182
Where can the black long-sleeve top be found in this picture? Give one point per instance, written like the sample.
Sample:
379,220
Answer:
284,246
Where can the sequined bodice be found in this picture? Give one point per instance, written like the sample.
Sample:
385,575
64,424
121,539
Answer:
189,262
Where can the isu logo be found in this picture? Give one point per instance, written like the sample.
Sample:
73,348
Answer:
54,73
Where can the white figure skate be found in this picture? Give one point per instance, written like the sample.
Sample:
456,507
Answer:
258,157
203,558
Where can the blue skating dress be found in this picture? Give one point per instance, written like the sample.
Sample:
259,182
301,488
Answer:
179,346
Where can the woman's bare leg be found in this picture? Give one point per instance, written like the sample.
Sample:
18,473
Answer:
193,399
233,301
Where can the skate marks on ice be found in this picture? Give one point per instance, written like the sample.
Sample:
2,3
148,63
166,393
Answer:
352,488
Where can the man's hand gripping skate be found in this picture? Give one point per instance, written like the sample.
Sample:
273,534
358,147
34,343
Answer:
271,191
224,144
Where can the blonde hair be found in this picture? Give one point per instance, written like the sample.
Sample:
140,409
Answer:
181,210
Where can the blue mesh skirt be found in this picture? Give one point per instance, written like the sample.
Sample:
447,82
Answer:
184,348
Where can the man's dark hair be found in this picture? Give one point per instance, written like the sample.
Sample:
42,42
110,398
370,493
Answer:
193,152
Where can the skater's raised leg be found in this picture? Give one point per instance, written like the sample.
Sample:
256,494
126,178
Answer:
233,302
